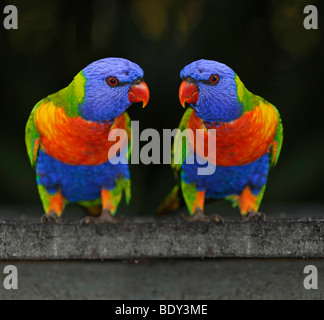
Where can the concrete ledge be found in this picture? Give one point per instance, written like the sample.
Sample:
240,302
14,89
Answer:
170,238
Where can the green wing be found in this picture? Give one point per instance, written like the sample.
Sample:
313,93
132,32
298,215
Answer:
277,143
126,184
32,137
178,156
129,132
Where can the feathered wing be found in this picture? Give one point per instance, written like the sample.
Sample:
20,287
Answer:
127,182
178,156
174,199
32,137
273,123
275,147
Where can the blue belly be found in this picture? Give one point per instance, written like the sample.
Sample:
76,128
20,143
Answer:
78,183
226,181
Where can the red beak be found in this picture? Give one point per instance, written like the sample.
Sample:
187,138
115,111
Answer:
188,92
139,92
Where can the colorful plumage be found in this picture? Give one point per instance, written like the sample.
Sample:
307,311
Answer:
67,139
248,141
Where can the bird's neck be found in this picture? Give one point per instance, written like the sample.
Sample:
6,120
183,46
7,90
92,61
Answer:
72,97
247,99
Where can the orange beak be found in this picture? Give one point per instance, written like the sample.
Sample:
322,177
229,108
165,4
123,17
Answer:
139,92
188,93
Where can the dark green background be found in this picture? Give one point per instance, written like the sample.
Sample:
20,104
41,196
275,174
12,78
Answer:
263,41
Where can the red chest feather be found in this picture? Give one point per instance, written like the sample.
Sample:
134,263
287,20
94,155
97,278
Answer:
74,140
238,142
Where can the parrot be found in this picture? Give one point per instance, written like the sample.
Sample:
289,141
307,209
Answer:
67,140
247,143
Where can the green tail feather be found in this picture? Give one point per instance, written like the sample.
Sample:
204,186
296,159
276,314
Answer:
172,202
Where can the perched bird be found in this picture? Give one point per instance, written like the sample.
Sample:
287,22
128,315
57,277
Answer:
247,143
67,140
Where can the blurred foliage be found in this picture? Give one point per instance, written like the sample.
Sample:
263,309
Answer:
263,41
287,30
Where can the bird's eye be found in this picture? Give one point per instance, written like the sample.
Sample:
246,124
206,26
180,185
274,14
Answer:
214,78
112,81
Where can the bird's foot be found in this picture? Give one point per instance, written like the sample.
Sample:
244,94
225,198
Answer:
52,217
105,217
254,216
218,219
197,216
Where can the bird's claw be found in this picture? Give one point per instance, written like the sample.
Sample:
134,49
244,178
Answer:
197,216
52,217
218,219
254,216
105,217
200,216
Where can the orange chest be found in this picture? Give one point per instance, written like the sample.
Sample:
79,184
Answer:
74,140
238,142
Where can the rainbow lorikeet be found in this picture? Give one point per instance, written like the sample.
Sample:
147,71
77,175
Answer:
67,140
247,141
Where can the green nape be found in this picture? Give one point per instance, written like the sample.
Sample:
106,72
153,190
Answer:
248,100
71,97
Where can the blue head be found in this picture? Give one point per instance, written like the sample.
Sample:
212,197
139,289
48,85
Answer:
111,86
210,88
